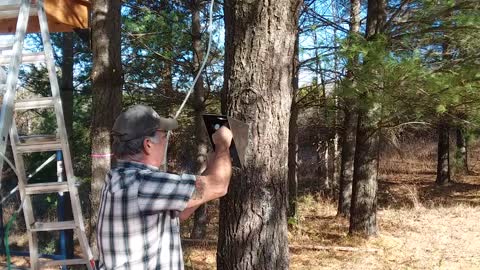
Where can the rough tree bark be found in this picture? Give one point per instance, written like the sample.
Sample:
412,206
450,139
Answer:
107,81
200,219
443,154
293,139
363,211
260,41
349,128
347,162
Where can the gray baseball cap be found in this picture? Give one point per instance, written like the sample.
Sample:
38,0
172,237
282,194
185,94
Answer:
138,121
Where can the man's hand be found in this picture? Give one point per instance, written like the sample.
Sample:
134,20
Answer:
222,139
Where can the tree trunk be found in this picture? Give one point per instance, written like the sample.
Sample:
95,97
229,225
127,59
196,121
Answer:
462,150
293,139
363,211
165,89
347,162
260,41
200,220
66,91
323,168
107,81
293,163
443,154
336,138
349,128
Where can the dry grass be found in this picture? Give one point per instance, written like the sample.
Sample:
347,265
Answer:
440,237
421,226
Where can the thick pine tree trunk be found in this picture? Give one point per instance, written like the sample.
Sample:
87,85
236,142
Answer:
363,211
443,154
349,128
260,41
200,218
107,81
66,91
462,149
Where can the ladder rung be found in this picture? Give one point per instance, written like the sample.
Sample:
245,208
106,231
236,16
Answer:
39,146
64,262
43,188
13,13
36,139
6,43
34,103
10,5
53,226
27,58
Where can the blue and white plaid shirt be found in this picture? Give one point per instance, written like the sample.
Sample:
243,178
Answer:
138,225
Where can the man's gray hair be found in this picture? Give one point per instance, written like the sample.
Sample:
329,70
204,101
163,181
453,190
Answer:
131,148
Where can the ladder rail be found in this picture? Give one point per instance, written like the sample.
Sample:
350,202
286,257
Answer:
6,113
8,128
27,201
67,161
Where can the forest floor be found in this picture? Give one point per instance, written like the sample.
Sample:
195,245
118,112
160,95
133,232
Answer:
420,225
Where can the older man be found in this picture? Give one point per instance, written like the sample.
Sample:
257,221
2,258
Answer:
138,224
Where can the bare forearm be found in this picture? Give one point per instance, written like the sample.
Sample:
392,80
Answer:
220,168
214,181
185,214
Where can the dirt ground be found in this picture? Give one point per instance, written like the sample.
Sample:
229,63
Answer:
421,226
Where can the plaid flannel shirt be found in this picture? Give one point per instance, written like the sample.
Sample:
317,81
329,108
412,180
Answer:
138,225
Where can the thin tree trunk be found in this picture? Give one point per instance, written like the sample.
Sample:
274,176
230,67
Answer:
166,87
363,211
66,91
443,154
349,127
200,220
260,41
323,171
293,139
336,139
107,81
346,166
462,149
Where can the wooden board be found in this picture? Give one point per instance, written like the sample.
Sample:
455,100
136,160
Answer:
62,16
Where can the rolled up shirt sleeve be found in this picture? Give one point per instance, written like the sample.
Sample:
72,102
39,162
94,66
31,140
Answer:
159,191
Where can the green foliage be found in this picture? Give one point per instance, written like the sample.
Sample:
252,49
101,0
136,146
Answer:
429,73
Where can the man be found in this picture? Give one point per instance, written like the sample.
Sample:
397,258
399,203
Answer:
140,208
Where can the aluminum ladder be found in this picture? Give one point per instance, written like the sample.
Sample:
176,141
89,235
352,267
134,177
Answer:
23,10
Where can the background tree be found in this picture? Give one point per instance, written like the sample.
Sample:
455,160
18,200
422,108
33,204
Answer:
66,92
363,213
107,81
349,125
200,219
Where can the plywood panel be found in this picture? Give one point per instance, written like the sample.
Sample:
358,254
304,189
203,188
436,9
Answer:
63,16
